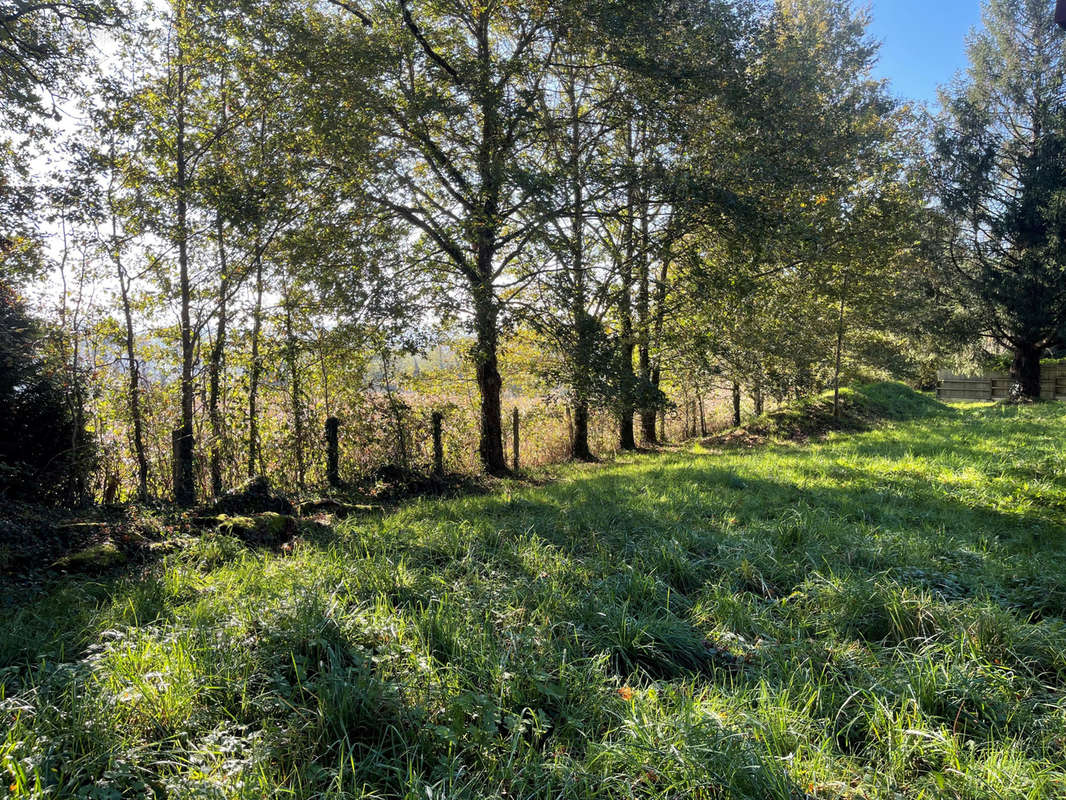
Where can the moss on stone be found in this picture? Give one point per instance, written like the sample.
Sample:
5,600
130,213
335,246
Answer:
267,528
105,555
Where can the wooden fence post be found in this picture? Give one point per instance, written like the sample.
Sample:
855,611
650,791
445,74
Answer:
333,451
514,423
438,443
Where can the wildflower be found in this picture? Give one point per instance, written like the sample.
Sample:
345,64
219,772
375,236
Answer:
625,693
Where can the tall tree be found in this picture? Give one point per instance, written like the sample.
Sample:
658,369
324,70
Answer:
453,116
573,291
179,114
117,226
1000,157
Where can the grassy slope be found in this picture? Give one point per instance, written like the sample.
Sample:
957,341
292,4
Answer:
861,408
878,615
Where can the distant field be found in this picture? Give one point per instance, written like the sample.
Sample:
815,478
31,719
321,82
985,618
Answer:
877,615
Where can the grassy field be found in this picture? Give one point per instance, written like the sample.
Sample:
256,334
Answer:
879,615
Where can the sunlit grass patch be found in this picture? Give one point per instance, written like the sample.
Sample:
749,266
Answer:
879,615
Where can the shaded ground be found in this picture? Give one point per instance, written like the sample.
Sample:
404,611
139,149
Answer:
877,615
38,543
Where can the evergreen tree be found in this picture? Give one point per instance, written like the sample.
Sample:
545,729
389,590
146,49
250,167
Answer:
1000,157
45,454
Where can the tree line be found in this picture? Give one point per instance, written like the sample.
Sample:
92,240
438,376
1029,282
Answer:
259,214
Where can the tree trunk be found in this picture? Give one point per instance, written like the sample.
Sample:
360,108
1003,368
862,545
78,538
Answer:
438,443
648,417
627,439
215,365
648,421
1025,370
333,451
255,449
581,449
644,323
839,345
627,377
185,485
736,405
489,382
295,394
255,372
134,390
583,344
484,222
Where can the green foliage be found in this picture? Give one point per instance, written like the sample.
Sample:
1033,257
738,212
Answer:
45,453
637,204
1002,363
817,277
999,147
881,612
43,48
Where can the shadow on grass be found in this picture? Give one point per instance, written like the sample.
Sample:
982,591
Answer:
825,570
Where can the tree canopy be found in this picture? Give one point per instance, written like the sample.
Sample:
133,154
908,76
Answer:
622,219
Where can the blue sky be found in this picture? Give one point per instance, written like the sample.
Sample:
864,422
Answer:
923,42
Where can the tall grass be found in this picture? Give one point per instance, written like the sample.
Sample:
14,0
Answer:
875,616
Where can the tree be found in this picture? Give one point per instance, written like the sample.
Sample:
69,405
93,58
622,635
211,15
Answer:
452,116
676,63
1000,165
114,224
45,453
42,45
575,280
805,204
177,115
43,48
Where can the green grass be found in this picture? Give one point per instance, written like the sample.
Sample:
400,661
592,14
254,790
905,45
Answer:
879,615
861,407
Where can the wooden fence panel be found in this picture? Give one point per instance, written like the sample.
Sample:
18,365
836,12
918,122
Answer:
996,385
